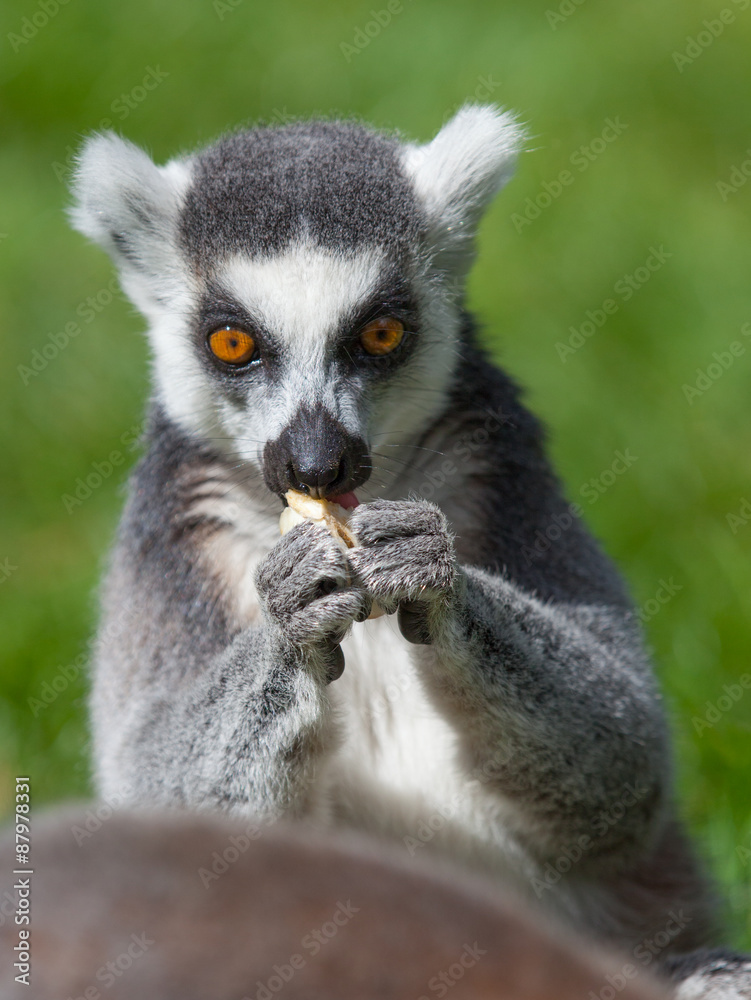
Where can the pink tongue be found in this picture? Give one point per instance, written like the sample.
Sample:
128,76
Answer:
347,500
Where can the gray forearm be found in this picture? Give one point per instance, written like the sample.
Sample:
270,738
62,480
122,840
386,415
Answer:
556,707
245,732
236,720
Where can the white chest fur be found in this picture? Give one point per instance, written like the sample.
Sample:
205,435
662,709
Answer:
392,732
398,770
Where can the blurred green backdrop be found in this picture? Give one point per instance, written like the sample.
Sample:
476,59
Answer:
643,105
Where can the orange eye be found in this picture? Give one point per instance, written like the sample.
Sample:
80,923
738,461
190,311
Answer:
232,346
382,336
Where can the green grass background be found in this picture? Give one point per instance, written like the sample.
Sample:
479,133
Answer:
655,185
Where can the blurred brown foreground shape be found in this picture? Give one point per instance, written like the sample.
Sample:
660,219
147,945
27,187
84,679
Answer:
166,906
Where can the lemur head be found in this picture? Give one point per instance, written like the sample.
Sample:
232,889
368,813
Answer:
303,284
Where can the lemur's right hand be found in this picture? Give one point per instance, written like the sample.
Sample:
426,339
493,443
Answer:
307,595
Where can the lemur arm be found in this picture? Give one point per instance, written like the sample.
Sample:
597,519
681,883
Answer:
189,707
552,702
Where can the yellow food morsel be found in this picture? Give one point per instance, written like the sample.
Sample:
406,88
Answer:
306,508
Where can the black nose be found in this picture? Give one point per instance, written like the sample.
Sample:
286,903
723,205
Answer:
316,454
315,477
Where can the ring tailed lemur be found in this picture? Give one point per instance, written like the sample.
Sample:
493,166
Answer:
303,289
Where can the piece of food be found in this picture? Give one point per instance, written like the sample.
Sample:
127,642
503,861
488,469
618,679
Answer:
331,516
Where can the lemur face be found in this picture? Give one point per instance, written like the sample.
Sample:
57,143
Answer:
303,284
331,341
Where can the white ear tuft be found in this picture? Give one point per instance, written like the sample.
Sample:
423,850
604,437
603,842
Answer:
130,207
457,174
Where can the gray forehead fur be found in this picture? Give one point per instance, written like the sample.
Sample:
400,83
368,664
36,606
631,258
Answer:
338,183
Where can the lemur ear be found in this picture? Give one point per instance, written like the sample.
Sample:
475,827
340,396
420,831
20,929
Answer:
457,174
130,207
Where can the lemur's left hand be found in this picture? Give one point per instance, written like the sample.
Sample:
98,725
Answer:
405,559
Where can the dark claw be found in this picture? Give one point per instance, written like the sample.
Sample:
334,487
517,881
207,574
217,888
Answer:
413,622
335,667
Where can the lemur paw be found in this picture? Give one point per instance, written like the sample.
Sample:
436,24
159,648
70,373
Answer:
306,590
405,558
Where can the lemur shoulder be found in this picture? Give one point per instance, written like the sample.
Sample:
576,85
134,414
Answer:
303,288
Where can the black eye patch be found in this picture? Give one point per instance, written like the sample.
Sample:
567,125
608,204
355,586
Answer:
393,299
218,309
